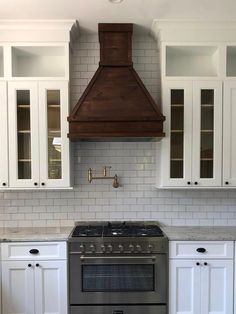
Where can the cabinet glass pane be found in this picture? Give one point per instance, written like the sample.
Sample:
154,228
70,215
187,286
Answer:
23,134
177,134
54,134
207,133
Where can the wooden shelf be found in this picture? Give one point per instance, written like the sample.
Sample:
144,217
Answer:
54,106
54,131
206,159
207,105
54,160
24,160
176,159
177,131
177,105
24,131
23,106
207,131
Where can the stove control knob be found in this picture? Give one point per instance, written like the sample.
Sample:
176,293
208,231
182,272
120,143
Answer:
82,248
131,247
120,247
150,248
138,248
109,248
103,248
92,248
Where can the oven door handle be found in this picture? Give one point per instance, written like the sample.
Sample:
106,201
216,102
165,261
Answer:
153,257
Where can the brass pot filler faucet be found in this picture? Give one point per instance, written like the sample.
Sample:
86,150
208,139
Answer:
106,172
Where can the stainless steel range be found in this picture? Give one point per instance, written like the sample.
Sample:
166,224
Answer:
118,268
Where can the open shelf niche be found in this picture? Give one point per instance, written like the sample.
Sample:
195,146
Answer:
231,61
38,61
192,61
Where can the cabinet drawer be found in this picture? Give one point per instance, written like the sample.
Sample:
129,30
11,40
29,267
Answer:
34,250
206,249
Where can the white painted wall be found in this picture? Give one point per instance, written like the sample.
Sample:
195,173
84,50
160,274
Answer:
133,162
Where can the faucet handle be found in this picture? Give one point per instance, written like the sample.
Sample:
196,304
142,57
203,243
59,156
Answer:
106,170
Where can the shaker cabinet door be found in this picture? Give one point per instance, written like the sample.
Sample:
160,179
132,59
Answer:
177,144
207,134
3,136
229,134
53,129
17,287
51,287
184,287
23,134
217,287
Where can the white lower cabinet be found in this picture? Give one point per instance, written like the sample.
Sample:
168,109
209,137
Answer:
17,287
200,285
34,286
51,287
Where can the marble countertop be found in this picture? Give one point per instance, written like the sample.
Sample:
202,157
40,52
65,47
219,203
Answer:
200,233
35,234
173,233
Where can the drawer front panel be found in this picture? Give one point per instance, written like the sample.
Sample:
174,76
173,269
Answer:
203,249
34,250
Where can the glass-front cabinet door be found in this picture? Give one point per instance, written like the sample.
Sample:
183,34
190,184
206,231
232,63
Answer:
207,133
176,146
3,136
53,129
23,134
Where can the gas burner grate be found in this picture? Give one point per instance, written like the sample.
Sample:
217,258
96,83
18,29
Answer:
118,230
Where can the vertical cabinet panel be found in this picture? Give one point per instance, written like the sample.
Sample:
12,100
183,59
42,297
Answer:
207,133
3,136
17,288
184,287
51,287
176,146
23,134
54,144
229,134
217,287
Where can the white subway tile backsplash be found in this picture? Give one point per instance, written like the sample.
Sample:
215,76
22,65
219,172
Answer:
134,163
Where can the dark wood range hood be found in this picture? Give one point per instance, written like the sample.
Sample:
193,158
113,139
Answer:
115,103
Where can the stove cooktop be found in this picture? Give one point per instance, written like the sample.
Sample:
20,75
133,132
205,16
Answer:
117,229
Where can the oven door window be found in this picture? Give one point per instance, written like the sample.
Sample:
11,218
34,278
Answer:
118,278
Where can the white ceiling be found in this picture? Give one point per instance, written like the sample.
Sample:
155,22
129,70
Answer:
141,12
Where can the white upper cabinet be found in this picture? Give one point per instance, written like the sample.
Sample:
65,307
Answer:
3,136
176,146
39,149
53,129
191,150
207,133
23,134
200,59
34,103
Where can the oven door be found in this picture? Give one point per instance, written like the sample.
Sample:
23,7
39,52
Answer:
118,280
